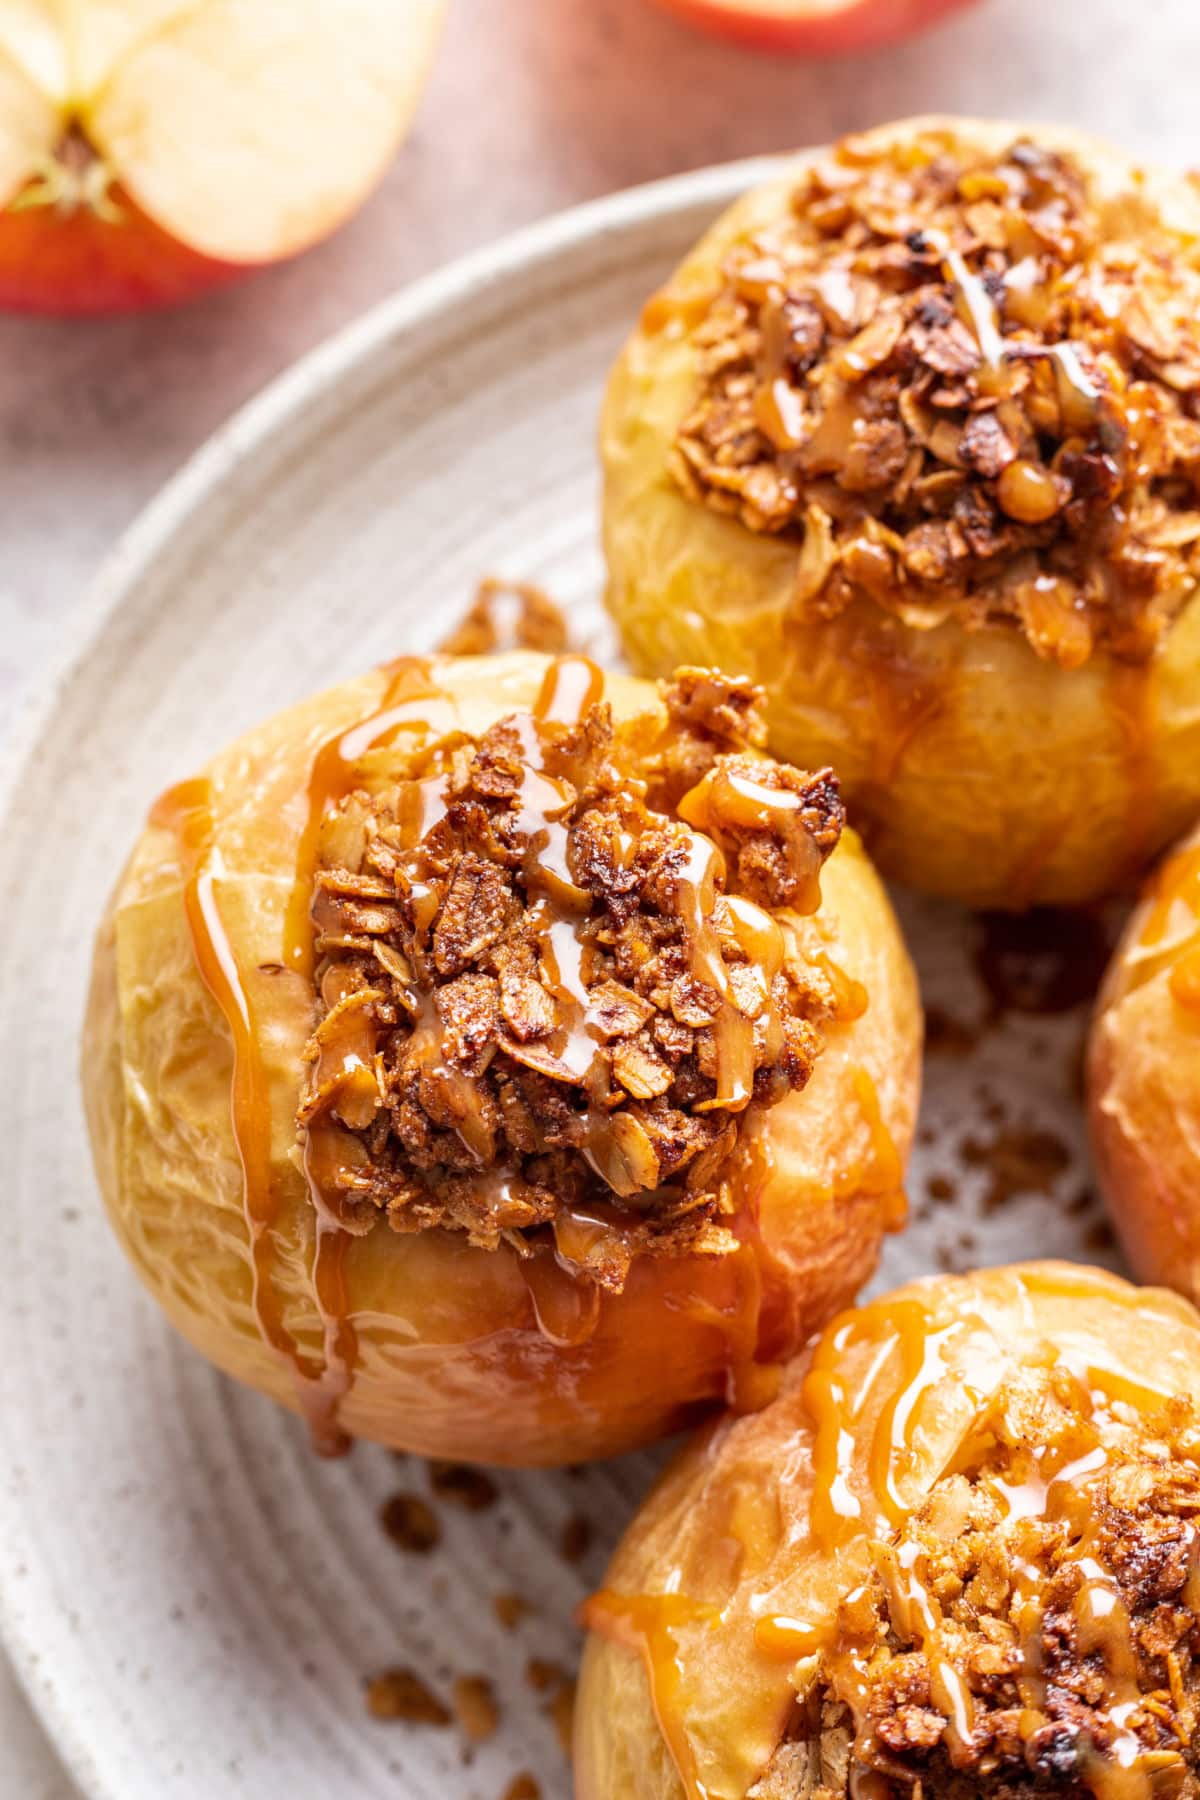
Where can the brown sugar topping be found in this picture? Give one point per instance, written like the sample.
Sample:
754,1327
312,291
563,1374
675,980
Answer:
963,397
553,986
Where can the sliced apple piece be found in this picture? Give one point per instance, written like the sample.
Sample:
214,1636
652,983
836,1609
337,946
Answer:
30,124
152,147
33,39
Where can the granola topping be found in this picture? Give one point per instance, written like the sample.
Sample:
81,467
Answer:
554,982
1033,1629
963,395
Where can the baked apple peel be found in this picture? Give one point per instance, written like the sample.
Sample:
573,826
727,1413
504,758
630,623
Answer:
152,148
468,1033
554,985
911,437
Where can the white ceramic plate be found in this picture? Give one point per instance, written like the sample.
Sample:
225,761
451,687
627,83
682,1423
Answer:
192,1600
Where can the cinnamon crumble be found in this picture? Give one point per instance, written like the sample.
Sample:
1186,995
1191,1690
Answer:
548,1003
963,396
1032,1630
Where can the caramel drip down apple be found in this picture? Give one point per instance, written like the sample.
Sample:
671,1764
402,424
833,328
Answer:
187,811
1177,885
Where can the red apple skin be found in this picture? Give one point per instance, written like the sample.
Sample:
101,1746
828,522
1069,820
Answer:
859,25
79,265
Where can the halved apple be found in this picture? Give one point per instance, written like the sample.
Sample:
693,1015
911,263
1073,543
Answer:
151,148
819,27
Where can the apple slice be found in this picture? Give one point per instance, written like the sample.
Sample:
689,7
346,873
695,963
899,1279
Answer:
818,27
149,148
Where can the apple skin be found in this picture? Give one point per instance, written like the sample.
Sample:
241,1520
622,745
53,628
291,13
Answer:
80,265
858,25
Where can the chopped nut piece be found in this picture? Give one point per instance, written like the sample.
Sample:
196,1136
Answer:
399,1694
955,347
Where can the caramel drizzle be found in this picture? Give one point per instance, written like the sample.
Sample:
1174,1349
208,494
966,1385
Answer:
1078,396
187,811
901,1330
1177,884
413,701
696,900
647,1625
573,685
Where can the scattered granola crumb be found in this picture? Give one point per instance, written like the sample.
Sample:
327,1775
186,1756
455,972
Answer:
510,1610
1018,1160
576,1538
523,1787
411,1523
946,1035
475,1705
508,615
562,1714
401,1694
942,1188
463,1485
542,1675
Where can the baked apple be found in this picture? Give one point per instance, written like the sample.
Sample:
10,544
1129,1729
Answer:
912,438
502,1060
956,1559
1143,1078
149,150
813,27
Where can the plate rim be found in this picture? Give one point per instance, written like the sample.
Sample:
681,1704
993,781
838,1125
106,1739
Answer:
281,403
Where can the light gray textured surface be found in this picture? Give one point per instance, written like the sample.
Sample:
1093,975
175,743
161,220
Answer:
535,104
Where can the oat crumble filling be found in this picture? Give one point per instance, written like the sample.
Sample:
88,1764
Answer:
1033,1629
553,985
963,396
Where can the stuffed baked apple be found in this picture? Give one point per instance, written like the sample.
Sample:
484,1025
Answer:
956,1559
912,438
1144,1078
500,1059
